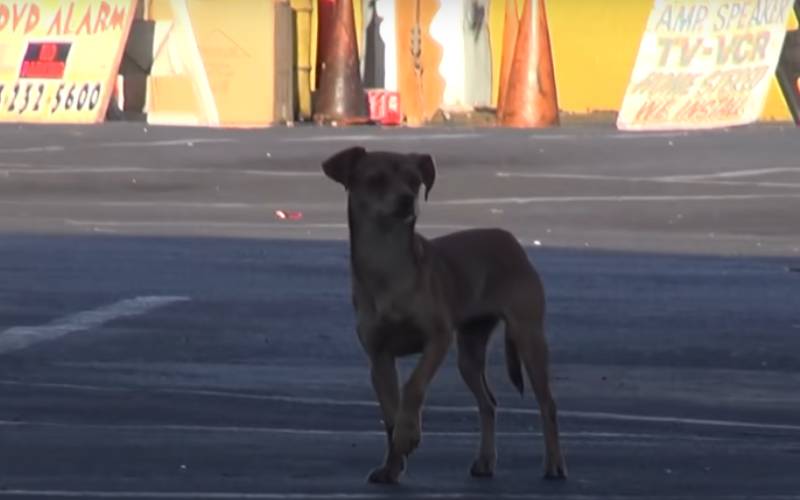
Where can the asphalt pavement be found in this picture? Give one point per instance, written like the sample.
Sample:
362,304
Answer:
164,334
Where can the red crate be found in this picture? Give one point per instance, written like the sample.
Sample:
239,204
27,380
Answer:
384,106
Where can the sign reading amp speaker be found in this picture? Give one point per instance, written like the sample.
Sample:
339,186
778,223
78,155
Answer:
704,63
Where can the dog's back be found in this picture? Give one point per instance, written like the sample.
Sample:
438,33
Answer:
504,273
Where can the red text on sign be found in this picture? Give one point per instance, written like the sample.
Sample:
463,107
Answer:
654,110
704,109
93,19
665,83
740,80
19,16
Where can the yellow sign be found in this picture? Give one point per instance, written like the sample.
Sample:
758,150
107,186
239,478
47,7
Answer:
704,64
221,63
59,59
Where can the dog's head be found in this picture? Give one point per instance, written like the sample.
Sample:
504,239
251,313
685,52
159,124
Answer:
382,185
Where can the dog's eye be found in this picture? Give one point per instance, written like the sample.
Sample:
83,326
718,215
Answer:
376,182
414,181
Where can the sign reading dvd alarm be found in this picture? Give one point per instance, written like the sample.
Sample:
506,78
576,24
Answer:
63,18
59,59
704,64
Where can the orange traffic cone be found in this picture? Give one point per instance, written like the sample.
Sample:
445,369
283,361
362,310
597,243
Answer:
510,29
340,96
530,99
326,16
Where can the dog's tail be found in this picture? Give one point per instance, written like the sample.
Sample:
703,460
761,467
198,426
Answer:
514,366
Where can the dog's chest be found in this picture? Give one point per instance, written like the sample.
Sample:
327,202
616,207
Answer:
398,327
400,336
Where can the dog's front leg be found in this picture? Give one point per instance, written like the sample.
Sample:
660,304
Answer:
384,381
407,430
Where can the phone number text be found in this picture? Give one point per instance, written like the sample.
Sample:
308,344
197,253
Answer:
38,97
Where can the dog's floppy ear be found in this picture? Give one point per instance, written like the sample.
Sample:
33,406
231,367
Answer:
427,169
338,166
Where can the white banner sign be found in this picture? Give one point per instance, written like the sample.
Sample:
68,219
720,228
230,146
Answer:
704,64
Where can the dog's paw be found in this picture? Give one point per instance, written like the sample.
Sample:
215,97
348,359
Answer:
407,434
384,475
555,469
483,466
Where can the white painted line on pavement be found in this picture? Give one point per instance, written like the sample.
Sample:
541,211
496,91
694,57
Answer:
14,164
133,204
159,203
555,175
647,135
124,144
511,200
342,432
200,495
393,494
72,170
732,174
20,337
585,415
33,149
333,138
278,173
693,180
173,142
201,224
81,169
556,137
612,135
377,137
615,199
566,413
232,225
471,135
658,419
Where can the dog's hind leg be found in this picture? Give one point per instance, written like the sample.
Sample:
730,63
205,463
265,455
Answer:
473,338
527,332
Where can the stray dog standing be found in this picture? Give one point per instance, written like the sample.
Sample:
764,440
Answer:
411,294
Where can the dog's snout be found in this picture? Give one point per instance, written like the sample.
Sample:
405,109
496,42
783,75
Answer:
406,201
405,204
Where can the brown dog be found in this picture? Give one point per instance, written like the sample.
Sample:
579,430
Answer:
410,294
